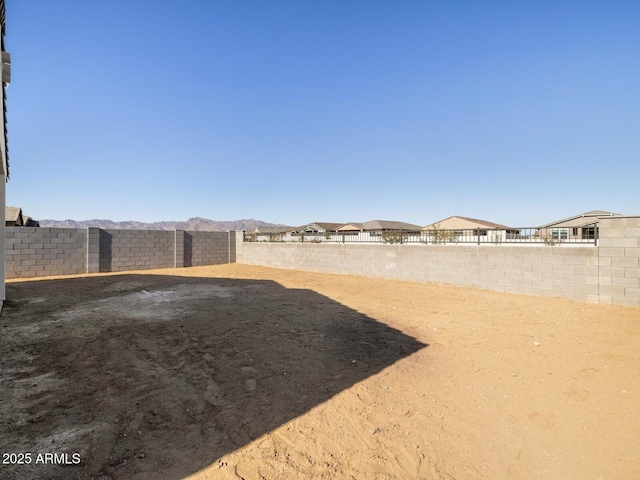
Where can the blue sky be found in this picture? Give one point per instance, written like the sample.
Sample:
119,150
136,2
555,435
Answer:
298,111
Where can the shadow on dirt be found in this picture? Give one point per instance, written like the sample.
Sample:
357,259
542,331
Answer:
148,376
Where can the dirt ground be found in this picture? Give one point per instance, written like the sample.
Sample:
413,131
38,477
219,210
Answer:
242,372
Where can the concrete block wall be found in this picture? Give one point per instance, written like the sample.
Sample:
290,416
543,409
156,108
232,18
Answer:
122,250
619,275
208,248
608,273
38,252
544,271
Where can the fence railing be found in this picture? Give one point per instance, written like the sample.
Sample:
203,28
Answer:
529,235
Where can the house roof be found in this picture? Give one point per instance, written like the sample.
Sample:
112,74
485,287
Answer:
379,225
12,214
30,222
351,226
478,222
328,226
270,229
582,219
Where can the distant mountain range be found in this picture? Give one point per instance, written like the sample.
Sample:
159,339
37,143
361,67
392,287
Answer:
196,224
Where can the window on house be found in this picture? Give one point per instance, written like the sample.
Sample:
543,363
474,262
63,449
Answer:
560,233
480,233
589,233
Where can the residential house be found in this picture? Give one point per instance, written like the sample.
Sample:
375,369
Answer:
13,217
272,234
316,232
384,231
582,226
30,222
5,75
466,229
318,227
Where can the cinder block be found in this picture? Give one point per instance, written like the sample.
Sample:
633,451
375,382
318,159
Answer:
575,260
573,278
625,262
512,273
625,281
552,259
562,268
532,258
576,296
586,270
611,232
625,301
623,242
542,267
562,286
632,292
552,293
522,283
585,288
612,290
612,271
632,272
632,252
505,282
532,275
612,252
563,250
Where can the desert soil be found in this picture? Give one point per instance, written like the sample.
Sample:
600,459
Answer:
242,372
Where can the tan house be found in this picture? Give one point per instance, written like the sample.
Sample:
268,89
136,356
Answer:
378,226
13,217
470,230
271,234
465,223
318,227
378,231
581,226
5,74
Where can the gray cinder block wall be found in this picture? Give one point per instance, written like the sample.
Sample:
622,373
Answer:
208,248
38,252
608,273
122,250
619,254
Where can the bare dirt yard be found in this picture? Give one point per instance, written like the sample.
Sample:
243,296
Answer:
242,372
